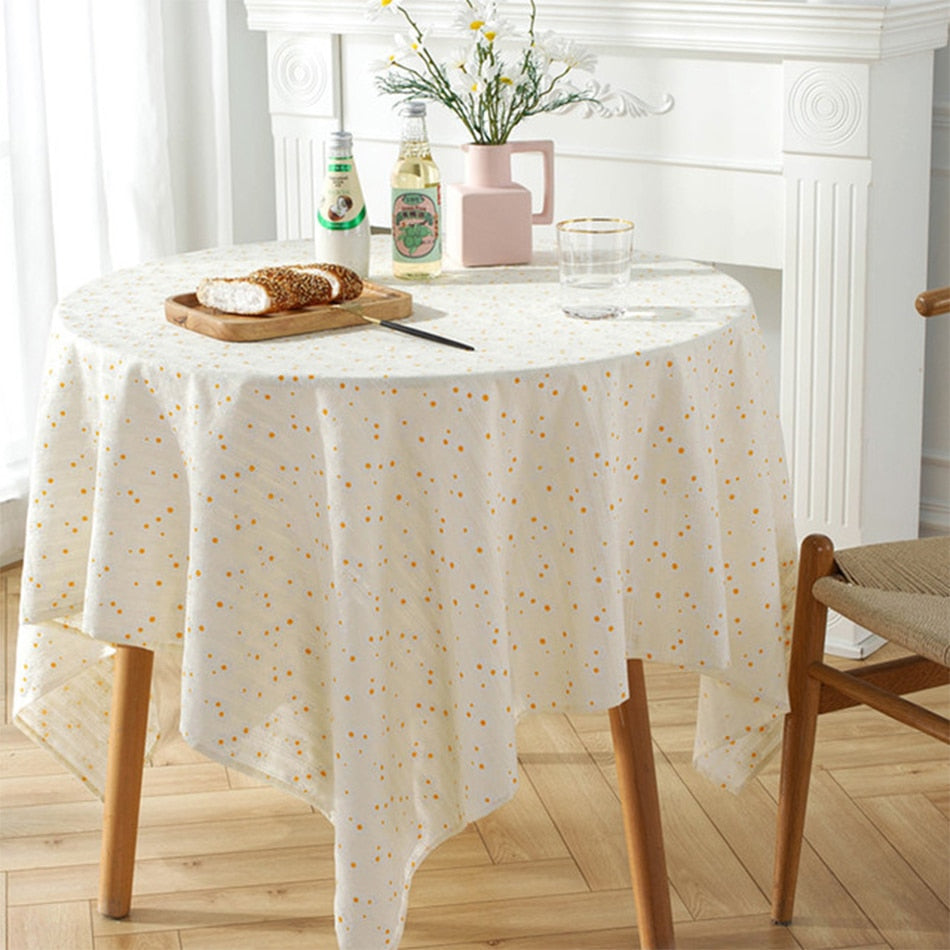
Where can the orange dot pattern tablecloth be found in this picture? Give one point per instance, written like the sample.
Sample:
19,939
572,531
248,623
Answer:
369,554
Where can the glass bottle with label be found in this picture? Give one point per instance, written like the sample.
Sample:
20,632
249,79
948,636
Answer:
341,231
416,201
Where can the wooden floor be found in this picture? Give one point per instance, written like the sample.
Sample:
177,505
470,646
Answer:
228,864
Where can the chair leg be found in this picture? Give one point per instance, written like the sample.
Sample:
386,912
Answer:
633,751
798,746
127,730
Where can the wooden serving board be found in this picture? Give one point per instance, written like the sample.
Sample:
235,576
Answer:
377,301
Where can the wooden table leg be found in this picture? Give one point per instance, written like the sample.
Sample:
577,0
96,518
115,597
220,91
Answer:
633,751
127,729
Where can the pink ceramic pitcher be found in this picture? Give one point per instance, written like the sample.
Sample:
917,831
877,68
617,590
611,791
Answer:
489,216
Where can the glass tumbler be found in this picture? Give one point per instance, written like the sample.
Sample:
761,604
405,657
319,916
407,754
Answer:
594,258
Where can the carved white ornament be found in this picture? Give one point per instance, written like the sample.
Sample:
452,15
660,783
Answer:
613,103
298,74
824,107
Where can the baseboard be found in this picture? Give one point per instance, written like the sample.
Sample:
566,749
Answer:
934,523
934,495
847,639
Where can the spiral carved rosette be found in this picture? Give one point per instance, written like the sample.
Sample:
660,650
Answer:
825,108
298,75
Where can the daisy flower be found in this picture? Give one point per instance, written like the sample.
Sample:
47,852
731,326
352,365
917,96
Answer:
409,45
506,72
381,65
573,55
375,7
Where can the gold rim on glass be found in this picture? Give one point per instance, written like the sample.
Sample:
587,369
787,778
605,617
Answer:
571,225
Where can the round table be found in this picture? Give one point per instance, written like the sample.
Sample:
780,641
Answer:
371,554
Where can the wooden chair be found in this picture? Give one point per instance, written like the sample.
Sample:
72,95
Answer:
900,591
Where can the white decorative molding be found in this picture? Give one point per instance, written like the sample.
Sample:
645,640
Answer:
855,31
298,77
826,108
823,356
302,77
304,84
298,167
609,103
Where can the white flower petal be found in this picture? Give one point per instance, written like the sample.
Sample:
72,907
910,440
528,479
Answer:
375,7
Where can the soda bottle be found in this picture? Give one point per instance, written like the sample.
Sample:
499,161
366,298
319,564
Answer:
416,201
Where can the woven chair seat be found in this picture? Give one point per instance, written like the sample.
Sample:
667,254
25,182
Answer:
899,590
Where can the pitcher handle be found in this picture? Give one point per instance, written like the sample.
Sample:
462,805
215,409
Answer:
546,148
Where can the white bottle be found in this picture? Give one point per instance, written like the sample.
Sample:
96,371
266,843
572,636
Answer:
341,231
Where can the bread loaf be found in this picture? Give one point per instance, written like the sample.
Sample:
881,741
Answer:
276,289
347,283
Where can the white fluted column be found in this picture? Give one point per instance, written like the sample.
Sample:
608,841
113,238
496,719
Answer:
855,258
304,91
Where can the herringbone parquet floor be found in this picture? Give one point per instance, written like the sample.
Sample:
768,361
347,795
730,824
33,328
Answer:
228,864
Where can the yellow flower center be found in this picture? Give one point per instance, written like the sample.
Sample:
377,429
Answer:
505,80
490,35
474,25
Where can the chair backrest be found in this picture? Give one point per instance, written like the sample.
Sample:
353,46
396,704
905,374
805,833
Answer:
933,302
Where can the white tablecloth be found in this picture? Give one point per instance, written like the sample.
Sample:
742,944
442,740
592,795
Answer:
371,554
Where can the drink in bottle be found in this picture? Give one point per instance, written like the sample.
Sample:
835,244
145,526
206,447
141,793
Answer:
341,231
416,201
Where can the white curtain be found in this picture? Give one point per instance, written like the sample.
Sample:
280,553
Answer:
113,150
